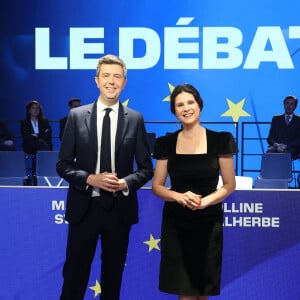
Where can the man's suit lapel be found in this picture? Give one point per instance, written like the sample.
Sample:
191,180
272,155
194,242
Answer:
282,119
122,125
91,123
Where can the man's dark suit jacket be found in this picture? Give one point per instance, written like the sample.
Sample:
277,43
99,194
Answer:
285,134
62,125
5,135
78,157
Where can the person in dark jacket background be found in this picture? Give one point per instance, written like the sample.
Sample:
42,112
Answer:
73,102
284,134
35,129
6,138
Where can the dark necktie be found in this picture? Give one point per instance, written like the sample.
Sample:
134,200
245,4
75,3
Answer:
105,159
105,155
287,120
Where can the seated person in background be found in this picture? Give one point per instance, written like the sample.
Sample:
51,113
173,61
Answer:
73,102
6,138
35,129
284,134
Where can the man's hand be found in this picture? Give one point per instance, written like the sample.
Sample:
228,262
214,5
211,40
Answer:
281,147
8,142
107,181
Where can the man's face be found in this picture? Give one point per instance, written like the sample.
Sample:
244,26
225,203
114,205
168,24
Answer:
111,82
289,106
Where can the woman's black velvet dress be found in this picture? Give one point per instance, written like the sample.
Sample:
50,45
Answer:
192,241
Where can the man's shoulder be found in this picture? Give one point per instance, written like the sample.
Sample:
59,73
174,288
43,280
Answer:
277,117
64,119
297,118
83,109
131,112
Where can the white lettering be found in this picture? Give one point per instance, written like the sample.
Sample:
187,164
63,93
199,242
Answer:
222,41
43,61
141,47
278,53
79,47
177,46
58,205
265,222
294,32
60,219
250,207
151,40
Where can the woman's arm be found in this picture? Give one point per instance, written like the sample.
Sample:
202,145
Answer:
228,177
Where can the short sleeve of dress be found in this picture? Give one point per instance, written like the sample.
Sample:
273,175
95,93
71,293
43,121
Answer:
226,143
160,148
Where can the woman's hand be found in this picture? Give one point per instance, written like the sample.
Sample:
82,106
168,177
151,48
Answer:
189,200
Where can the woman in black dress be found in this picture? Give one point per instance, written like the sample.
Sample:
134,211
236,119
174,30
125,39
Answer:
192,232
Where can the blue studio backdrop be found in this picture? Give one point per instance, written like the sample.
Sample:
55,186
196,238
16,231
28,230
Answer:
243,56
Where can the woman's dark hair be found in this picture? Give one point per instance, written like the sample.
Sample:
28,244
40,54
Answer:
28,106
188,88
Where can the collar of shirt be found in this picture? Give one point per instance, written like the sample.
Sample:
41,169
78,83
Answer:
113,130
35,126
113,123
101,107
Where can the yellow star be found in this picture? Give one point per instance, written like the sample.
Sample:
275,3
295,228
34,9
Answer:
125,103
96,288
152,243
235,110
171,88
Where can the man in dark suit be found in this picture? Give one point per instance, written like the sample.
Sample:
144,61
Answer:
72,103
284,134
102,203
6,138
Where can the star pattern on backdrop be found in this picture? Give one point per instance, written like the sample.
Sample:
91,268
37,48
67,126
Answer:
125,103
235,110
171,88
96,288
152,243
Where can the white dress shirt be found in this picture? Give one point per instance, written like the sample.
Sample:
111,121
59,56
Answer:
35,126
113,115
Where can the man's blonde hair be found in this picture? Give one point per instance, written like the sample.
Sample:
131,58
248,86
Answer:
111,59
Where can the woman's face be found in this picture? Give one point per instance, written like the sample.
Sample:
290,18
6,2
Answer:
187,109
34,110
